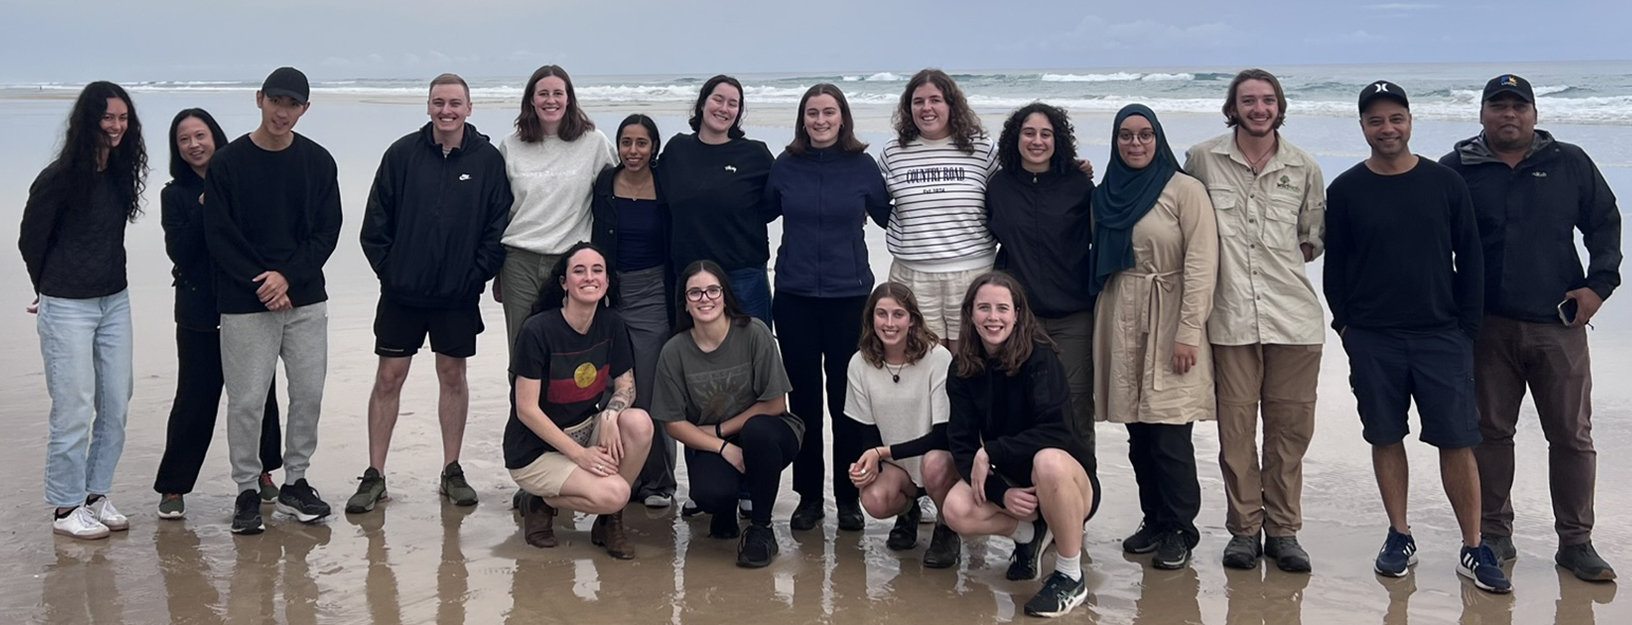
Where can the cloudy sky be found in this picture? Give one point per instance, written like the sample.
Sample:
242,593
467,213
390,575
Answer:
130,40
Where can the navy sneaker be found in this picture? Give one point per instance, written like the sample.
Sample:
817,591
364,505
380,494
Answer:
1479,564
1060,594
1399,552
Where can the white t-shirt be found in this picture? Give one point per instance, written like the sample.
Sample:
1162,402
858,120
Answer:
552,181
905,410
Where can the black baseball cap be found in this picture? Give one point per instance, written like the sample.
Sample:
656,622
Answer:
287,82
1382,89
1509,83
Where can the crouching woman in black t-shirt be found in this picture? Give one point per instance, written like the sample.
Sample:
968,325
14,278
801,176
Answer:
572,441
1023,471
721,391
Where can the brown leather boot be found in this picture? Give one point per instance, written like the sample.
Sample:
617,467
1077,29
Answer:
608,532
537,521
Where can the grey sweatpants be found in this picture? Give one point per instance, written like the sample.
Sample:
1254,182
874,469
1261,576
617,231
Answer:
251,345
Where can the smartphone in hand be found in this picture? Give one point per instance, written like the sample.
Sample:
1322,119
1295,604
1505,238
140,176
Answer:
1567,310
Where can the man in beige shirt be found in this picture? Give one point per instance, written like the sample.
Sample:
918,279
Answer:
1267,326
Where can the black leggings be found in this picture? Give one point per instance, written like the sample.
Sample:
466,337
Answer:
192,414
768,446
1164,465
818,335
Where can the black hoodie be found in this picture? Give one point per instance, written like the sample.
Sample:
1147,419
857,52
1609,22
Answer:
433,223
1013,417
1527,219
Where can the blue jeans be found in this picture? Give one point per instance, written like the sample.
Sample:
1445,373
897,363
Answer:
753,290
86,345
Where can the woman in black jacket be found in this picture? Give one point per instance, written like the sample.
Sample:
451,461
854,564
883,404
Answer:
631,223
194,137
1010,437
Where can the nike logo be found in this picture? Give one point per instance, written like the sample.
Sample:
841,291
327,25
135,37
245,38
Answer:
464,177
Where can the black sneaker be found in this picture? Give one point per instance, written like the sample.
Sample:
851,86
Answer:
1060,595
850,518
944,548
1172,552
1584,562
904,535
690,509
1289,556
1242,552
301,501
246,517
807,514
723,526
1143,541
1023,563
1502,546
757,548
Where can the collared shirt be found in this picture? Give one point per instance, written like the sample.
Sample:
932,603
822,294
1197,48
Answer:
1264,295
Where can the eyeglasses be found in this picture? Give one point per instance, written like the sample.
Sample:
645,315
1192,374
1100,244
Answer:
1128,138
697,295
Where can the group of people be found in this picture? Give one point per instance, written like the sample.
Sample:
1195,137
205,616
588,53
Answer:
1024,304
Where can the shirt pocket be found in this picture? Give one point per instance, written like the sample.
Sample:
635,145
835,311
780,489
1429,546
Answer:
1281,221
1228,210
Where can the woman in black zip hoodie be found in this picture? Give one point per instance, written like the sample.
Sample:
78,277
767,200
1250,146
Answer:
1039,211
1011,442
823,187
631,223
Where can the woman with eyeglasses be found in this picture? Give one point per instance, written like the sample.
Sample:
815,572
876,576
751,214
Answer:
722,392
1155,263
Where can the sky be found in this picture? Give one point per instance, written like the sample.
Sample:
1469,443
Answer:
137,40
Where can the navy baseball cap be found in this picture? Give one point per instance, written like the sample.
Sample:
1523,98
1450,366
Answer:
287,82
1509,83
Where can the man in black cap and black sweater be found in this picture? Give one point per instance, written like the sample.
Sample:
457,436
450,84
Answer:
1530,194
271,220
1404,281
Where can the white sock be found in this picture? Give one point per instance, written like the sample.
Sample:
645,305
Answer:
1024,532
1071,567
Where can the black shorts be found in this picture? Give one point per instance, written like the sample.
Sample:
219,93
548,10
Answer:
1093,482
399,330
1388,370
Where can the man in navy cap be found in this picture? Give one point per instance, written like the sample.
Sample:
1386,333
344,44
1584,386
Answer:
1531,193
1404,281
271,220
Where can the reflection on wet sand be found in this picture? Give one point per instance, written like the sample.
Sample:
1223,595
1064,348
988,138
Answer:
189,581
1168,597
1576,600
80,587
1264,596
1399,598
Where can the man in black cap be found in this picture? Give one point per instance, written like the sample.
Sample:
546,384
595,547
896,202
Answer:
1531,193
1403,279
271,219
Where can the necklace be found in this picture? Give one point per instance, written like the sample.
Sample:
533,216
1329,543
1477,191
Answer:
1254,163
895,375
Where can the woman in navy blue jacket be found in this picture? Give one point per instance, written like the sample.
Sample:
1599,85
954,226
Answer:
824,187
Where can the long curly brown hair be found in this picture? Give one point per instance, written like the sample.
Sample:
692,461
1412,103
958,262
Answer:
920,340
963,121
971,356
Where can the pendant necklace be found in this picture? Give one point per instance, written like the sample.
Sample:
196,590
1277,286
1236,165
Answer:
895,375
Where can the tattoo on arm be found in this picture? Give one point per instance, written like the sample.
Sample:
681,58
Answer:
624,395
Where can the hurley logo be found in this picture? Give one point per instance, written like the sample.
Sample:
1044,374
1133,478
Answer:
464,177
731,168
1381,87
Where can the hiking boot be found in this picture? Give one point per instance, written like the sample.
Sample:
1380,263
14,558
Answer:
806,515
370,491
1242,552
172,507
1060,595
537,521
107,515
1399,552
246,516
1172,552
944,548
301,501
1479,565
454,486
724,526
269,489
1502,546
1584,562
608,532
1289,556
850,518
757,548
1023,562
904,535
79,523
1143,541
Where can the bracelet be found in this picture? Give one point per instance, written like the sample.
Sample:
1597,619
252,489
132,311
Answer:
722,447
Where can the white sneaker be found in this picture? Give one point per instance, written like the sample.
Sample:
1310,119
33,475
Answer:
928,514
108,515
659,501
81,524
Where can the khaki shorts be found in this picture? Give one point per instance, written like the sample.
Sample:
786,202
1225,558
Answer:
548,474
940,295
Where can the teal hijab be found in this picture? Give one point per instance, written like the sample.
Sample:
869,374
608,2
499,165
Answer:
1124,197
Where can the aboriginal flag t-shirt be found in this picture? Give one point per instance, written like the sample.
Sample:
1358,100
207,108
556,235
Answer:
575,373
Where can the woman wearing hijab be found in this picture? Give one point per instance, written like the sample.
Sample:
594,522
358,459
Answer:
1155,262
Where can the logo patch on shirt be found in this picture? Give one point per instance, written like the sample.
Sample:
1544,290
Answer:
1286,184
731,168
1539,174
464,177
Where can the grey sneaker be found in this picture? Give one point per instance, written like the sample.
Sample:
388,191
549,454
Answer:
1584,562
1502,545
370,492
1242,552
172,507
1287,553
454,486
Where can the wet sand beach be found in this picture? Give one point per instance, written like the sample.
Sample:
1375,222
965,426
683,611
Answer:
417,559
